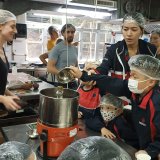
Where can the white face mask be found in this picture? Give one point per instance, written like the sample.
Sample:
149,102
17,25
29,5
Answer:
133,86
110,112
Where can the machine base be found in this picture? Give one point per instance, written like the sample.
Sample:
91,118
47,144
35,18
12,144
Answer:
39,154
54,140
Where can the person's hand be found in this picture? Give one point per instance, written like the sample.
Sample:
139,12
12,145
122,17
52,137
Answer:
89,66
91,72
10,104
140,152
75,72
89,83
80,114
107,133
75,43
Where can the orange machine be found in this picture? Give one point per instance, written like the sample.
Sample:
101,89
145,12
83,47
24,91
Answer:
58,120
55,140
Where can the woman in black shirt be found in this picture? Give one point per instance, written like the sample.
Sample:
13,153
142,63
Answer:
7,32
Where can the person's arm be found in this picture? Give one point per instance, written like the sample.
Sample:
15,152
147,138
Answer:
75,43
43,58
51,67
52,60
115,86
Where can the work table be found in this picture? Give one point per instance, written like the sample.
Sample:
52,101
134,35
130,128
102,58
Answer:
21,136
29,113
31,93
18,132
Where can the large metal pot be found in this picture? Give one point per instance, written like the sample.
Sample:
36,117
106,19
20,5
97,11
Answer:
58,112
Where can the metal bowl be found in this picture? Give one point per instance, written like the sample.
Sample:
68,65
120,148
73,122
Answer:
64,76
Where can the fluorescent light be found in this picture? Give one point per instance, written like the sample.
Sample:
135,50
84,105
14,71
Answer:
49,15
41,14
92,6
92,14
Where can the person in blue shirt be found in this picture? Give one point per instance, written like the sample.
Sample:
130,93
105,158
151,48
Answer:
63,55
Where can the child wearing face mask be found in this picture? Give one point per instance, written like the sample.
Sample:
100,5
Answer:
100,116
144,93
116,126
110,108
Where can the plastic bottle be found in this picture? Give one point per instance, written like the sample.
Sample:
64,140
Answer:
14,69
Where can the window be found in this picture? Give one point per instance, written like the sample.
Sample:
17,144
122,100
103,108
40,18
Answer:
34,43
91,34
87,45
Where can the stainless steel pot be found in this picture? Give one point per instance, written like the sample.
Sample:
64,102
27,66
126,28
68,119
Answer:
56,111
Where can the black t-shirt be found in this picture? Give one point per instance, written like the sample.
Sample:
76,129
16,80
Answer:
4,67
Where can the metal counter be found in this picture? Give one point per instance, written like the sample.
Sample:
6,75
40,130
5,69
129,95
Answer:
31,93
18,133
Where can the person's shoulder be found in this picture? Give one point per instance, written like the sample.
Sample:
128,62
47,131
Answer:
147,48
119,46
49,41
144,44
60,44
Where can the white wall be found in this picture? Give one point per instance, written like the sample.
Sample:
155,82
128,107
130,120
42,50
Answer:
18,50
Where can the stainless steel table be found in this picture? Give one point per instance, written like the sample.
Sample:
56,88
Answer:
18,133
29,94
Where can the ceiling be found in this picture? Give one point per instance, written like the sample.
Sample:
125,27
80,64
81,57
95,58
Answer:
149,8
21,6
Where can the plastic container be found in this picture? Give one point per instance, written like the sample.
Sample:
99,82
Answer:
14,69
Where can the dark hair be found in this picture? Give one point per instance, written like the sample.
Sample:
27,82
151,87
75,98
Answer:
67,26
51,29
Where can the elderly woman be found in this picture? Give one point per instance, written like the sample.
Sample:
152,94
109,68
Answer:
7,32
143,91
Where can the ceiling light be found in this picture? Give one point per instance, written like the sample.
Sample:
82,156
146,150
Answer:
91,6
92,14
50,15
